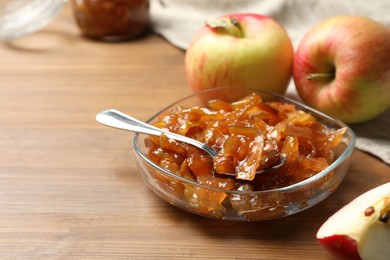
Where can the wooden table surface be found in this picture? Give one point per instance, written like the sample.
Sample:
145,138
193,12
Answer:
69,187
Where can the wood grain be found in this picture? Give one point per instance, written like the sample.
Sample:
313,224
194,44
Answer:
69,187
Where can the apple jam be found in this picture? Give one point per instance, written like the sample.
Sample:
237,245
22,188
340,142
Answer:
250,135
112,20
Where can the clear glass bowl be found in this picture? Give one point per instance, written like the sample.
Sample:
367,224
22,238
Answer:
244,205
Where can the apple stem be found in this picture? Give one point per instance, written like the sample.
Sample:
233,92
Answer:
312,76
228,25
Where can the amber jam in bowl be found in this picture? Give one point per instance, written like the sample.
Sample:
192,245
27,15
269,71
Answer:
251,129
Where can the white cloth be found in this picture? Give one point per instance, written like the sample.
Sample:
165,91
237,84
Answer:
178,20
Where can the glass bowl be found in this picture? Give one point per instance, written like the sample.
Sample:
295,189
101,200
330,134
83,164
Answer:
238,205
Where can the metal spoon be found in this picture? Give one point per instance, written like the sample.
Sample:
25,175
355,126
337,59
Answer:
117,119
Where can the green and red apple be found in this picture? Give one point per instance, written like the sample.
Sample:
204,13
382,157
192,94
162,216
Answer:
361,229
342,68
240,50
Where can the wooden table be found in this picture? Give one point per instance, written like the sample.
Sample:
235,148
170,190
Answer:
69,187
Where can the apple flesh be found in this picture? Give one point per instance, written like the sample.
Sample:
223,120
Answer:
342,68
361,229
240,50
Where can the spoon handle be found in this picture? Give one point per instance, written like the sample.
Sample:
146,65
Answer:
117,119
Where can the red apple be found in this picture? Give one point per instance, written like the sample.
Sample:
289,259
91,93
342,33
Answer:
342,68
240,50
361,229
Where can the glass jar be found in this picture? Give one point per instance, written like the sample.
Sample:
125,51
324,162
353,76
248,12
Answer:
112,20
21,17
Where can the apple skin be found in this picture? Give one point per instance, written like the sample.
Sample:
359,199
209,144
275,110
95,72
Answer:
257,53
341,246
352,233
342,68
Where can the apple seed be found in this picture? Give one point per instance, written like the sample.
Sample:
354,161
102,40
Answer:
369,211
385,217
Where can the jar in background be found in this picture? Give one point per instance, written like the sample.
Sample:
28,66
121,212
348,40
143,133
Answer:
20,17
112,20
